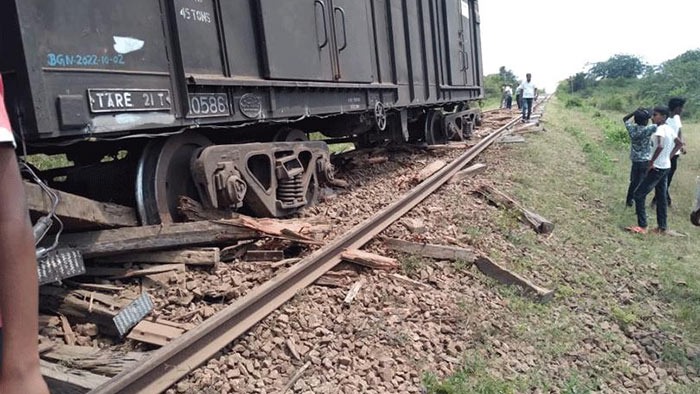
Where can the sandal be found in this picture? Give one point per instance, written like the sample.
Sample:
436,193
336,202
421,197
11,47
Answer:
636,230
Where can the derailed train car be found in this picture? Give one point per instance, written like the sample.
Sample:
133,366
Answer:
214,99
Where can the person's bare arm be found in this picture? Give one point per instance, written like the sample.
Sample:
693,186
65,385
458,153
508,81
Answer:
657,152
678,145
680,137
19,293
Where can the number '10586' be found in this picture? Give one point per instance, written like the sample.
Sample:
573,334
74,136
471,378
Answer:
209,105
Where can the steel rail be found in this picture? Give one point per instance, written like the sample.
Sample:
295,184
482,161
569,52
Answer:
174,361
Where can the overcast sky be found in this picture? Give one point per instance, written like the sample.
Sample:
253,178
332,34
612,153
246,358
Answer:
554,39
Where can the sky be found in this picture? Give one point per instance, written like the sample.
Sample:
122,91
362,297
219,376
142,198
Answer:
553,39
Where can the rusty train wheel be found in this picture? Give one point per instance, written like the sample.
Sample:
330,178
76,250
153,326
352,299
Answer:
163,175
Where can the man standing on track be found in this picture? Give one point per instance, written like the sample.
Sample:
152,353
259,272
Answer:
507,97
19,293
529,94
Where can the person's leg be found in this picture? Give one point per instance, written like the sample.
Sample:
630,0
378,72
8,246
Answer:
529,108
640,195
674,166
637,172
524,107
19,291
661,190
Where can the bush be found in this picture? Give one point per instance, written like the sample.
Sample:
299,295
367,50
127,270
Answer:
612,103
574,103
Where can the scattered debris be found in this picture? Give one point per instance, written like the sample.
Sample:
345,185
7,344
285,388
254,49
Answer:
540,224
68,333
495,271
429,170
133,313
157,333
62,380
431,251
78,212
95,360
414,225
511,139
409,282
476,169
150,238
370,260
353,291
264,255
296,377
208,257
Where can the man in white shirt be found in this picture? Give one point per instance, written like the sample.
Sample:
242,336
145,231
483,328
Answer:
529,94
507,97
675,105
664,145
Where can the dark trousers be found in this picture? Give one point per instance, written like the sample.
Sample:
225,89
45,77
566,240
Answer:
674,165
655,179
527,108
637,174
509,102
519,101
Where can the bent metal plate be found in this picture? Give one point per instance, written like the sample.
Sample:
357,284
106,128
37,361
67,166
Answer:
127,100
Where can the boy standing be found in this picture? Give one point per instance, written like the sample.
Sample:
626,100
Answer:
507,97
529,93
664,145
675,105
19,293
640,133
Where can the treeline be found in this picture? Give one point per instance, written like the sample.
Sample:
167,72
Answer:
624,82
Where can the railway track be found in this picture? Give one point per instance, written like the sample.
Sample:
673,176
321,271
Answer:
174,361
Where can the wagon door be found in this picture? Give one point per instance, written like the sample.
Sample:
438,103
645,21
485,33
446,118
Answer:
457,33
297,39
351,30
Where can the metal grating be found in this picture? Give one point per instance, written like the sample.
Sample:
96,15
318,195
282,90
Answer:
60,264
133,314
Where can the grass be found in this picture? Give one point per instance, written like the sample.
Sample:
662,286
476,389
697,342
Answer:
472,378
577,174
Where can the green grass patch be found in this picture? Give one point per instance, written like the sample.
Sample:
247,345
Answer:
471,378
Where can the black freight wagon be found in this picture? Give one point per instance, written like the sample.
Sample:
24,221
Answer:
214,98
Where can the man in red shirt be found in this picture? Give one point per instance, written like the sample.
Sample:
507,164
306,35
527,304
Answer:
19,293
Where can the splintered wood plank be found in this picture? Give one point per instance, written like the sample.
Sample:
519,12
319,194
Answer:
370,260
501,274
80,212
149,238
429,170
538,223
354,290
469,172
68,333
62,380
154,333
194,256
264,255
123,273
432,251
92,359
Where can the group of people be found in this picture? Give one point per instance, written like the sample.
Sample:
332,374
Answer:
655,151
525,96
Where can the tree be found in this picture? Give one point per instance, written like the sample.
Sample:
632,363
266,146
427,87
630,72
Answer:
618,66
507,76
